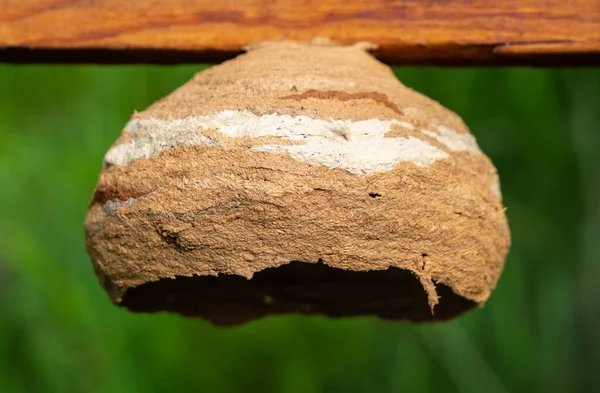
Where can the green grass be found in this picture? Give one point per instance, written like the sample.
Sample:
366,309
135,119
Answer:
538,332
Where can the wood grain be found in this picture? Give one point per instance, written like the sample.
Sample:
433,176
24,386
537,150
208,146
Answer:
431,32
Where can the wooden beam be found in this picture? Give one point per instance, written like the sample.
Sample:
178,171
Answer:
425,32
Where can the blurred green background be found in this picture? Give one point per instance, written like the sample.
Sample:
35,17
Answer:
538,332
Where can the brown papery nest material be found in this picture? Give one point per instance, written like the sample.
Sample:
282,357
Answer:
297,178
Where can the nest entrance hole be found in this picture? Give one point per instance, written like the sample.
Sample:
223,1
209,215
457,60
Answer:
297,287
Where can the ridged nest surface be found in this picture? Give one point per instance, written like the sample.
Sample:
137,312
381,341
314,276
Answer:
297,178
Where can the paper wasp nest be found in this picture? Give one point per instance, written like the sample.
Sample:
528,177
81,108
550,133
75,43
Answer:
297,178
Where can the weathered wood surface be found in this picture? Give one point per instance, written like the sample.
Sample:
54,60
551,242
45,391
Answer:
434,32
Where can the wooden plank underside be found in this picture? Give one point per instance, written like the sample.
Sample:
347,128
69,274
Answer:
424,32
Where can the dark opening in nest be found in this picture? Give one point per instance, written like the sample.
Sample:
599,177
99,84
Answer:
298,287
